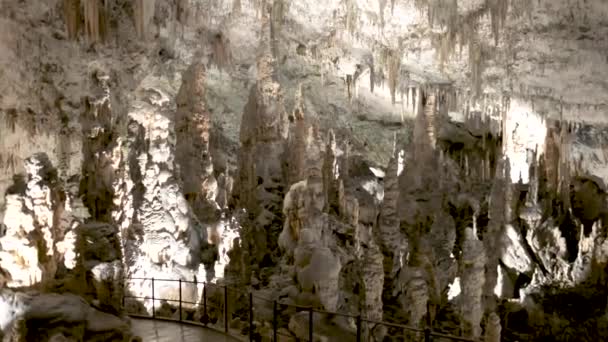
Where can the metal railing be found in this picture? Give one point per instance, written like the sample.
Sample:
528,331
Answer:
220,305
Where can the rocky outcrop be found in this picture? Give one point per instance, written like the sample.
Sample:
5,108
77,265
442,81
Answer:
119,96
28,252
52,317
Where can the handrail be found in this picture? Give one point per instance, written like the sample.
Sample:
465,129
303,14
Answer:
205,319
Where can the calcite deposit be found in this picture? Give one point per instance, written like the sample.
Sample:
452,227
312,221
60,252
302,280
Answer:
437,164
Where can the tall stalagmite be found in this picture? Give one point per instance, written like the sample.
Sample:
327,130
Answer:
192,124
264,130
472,270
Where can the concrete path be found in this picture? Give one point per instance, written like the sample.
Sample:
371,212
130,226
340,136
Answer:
162,331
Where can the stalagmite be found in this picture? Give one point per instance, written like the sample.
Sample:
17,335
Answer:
261,180
493,329
492,235
330,175
472,271
299,141
192,124
388,224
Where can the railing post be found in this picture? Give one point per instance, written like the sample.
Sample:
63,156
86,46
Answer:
180,299
153,301
275,314
310,316
250,316
124,293
429,323
225,308
205,316
359,328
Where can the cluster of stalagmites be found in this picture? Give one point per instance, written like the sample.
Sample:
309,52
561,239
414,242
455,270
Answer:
126,216
151,203
48,245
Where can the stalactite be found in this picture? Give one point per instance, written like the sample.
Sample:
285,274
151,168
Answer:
71,10
498,13
462,31
476,65
430,110
393,60
277,16
143,11
221,55
236,7
519,8
352,16
95,20
381,8
11,119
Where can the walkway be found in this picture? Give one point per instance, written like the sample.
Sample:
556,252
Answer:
163,331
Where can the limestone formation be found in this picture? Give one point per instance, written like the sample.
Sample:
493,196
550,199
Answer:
28,251
263,136
72,17
463,186
160,235
473,280
95,20
44,316
143,13
192,123
493,328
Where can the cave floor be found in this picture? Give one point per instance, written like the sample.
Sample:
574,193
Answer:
161,331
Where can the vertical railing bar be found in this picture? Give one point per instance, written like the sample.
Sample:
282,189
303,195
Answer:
153,300
225,308
359,328
427,329
180,300
250,316
274,320
206,317
428,332
310,316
